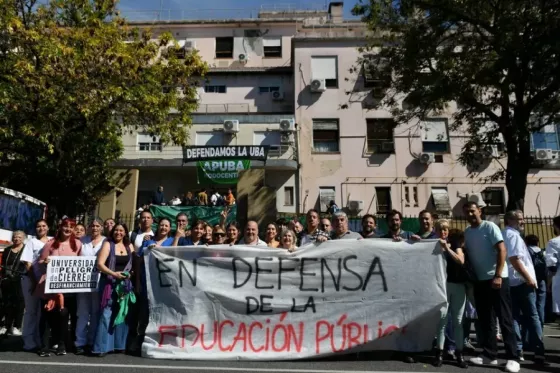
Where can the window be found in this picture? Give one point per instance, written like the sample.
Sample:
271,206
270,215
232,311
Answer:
325,68
440,197
210,138
383,195
288,196
434,136
375,72
272,46
268,89
224,47
546,138
147,143
325,136
379,136
494,199
215,89
411,196
326,195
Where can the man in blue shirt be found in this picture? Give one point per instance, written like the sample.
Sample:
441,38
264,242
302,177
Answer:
485,249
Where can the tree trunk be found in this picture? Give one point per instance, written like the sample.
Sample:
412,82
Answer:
518,165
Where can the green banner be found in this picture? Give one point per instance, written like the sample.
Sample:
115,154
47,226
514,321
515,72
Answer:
220,172
211,215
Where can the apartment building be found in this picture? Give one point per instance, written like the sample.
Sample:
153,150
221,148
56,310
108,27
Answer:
246,99
290,79
350,151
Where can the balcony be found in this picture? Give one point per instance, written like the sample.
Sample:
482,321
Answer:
279,156
284,106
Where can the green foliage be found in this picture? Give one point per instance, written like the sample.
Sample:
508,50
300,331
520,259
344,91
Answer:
498,60
73,78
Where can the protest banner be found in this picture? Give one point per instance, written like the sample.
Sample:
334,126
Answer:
72,274
220,171
228,152
248,302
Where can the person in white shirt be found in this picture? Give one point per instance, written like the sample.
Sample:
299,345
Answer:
30,255
215,198
251,236
522,282
145,232
552,257
88,303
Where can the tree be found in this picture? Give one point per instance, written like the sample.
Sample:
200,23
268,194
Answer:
74,77
498,60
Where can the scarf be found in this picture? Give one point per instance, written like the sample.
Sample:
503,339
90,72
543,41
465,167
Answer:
111,282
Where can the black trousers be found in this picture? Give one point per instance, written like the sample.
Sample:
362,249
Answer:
492,303
12,302
54,324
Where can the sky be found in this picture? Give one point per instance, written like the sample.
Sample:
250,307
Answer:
205,9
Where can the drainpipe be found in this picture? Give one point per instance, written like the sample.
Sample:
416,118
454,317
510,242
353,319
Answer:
299,181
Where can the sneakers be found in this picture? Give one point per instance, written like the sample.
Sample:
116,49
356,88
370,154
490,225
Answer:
80,351
3,330
44,353
15,332
482,360
512,366
468,346
61,350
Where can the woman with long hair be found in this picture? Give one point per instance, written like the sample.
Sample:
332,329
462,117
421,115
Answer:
208,235
114,262
58,308
161,239
88,303
288,239
451,242
11,271
32,313
271,235
232,232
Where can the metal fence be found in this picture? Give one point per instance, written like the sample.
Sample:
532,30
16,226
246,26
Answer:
540,226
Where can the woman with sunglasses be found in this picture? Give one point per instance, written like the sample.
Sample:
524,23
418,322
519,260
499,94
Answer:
32,313
88,303
218,235
57,309
114,262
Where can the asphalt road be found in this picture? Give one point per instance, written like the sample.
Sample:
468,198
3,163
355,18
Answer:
12,360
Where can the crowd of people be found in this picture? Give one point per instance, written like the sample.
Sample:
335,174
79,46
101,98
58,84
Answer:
497,279
203,197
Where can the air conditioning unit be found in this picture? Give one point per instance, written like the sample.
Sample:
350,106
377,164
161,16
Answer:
287,125
190,45
476,198
388,146
287,138
243,58
231,126
355,205
543,154
427,158
318,85
277,96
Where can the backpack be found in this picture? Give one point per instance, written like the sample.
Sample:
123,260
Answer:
539,263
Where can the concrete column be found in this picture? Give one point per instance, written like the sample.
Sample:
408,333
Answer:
255,201
107,207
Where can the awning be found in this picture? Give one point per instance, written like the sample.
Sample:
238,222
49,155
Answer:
441,199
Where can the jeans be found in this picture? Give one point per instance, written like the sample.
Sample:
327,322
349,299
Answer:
525,315
31,317
88,317
456,298
490,303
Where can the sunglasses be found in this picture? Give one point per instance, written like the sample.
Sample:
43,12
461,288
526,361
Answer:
219,234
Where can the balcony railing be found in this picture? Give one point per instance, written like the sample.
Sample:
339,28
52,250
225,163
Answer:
176,152
287,105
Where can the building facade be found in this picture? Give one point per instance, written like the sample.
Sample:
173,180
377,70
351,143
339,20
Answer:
301,67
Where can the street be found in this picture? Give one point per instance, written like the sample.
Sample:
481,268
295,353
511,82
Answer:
12,360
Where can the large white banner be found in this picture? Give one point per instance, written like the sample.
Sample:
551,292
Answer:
247,302
72,274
